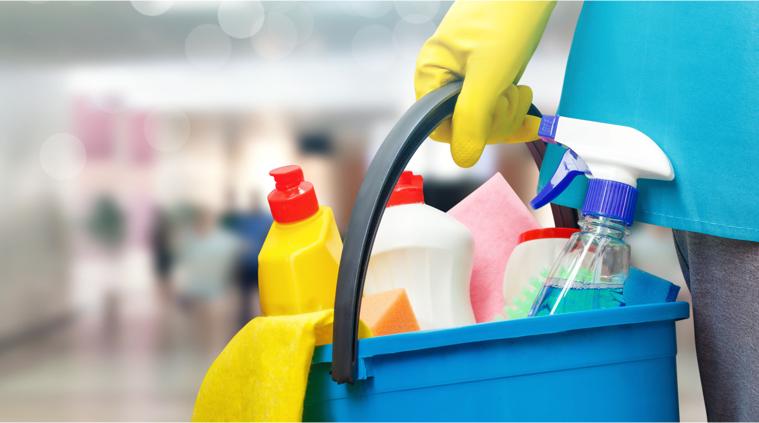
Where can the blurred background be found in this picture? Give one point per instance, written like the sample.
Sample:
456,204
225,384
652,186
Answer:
135,142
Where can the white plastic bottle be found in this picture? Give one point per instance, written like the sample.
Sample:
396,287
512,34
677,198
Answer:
425,251
528,267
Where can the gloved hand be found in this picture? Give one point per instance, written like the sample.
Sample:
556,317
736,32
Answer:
488,44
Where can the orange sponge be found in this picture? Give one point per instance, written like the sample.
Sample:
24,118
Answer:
388,312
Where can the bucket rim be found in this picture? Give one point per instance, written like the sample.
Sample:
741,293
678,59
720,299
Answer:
511,329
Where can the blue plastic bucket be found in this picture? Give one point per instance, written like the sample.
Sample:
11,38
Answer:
612,365
615,364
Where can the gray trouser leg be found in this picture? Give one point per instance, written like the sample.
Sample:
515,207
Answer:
723,277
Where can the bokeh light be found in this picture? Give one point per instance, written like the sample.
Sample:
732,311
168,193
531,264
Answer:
241,19
303,18
277,39
417,12
152,7
208,47
62,156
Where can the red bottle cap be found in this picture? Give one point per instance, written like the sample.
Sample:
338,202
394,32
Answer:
546,233
408,190
293,198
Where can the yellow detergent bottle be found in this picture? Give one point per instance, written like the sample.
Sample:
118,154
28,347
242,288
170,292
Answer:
297,265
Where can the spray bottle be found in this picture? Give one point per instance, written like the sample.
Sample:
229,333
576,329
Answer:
593,266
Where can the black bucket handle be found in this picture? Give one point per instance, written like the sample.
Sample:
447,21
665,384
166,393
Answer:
383,173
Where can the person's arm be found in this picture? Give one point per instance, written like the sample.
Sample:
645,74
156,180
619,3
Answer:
488,45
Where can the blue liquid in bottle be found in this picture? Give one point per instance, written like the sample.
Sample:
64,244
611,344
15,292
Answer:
579,298
590,272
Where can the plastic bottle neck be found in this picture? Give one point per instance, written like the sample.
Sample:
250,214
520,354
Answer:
604,226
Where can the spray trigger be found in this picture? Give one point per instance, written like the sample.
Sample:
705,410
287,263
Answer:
570,166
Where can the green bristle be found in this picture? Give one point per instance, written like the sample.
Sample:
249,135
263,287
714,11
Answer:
522,304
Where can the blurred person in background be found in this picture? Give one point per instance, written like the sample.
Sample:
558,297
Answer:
162,251
106,225
251,228
206,258
634,64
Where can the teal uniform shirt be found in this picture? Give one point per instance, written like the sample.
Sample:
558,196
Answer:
687,75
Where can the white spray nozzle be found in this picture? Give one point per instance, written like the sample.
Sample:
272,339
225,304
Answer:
611,152
617,155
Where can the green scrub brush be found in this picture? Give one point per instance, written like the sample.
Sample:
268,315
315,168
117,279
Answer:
520,306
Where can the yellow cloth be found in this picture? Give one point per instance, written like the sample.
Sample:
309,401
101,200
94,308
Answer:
261,375
488,45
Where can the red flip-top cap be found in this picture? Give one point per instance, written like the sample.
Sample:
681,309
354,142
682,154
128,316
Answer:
408,190
546,233
293,198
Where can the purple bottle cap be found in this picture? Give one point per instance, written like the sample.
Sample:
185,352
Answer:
611,199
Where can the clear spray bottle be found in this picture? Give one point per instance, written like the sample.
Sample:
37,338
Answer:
591,270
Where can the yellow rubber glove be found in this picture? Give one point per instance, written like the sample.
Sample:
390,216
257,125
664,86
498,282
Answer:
488,44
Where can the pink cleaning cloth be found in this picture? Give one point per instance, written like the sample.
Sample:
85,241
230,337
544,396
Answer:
495,216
